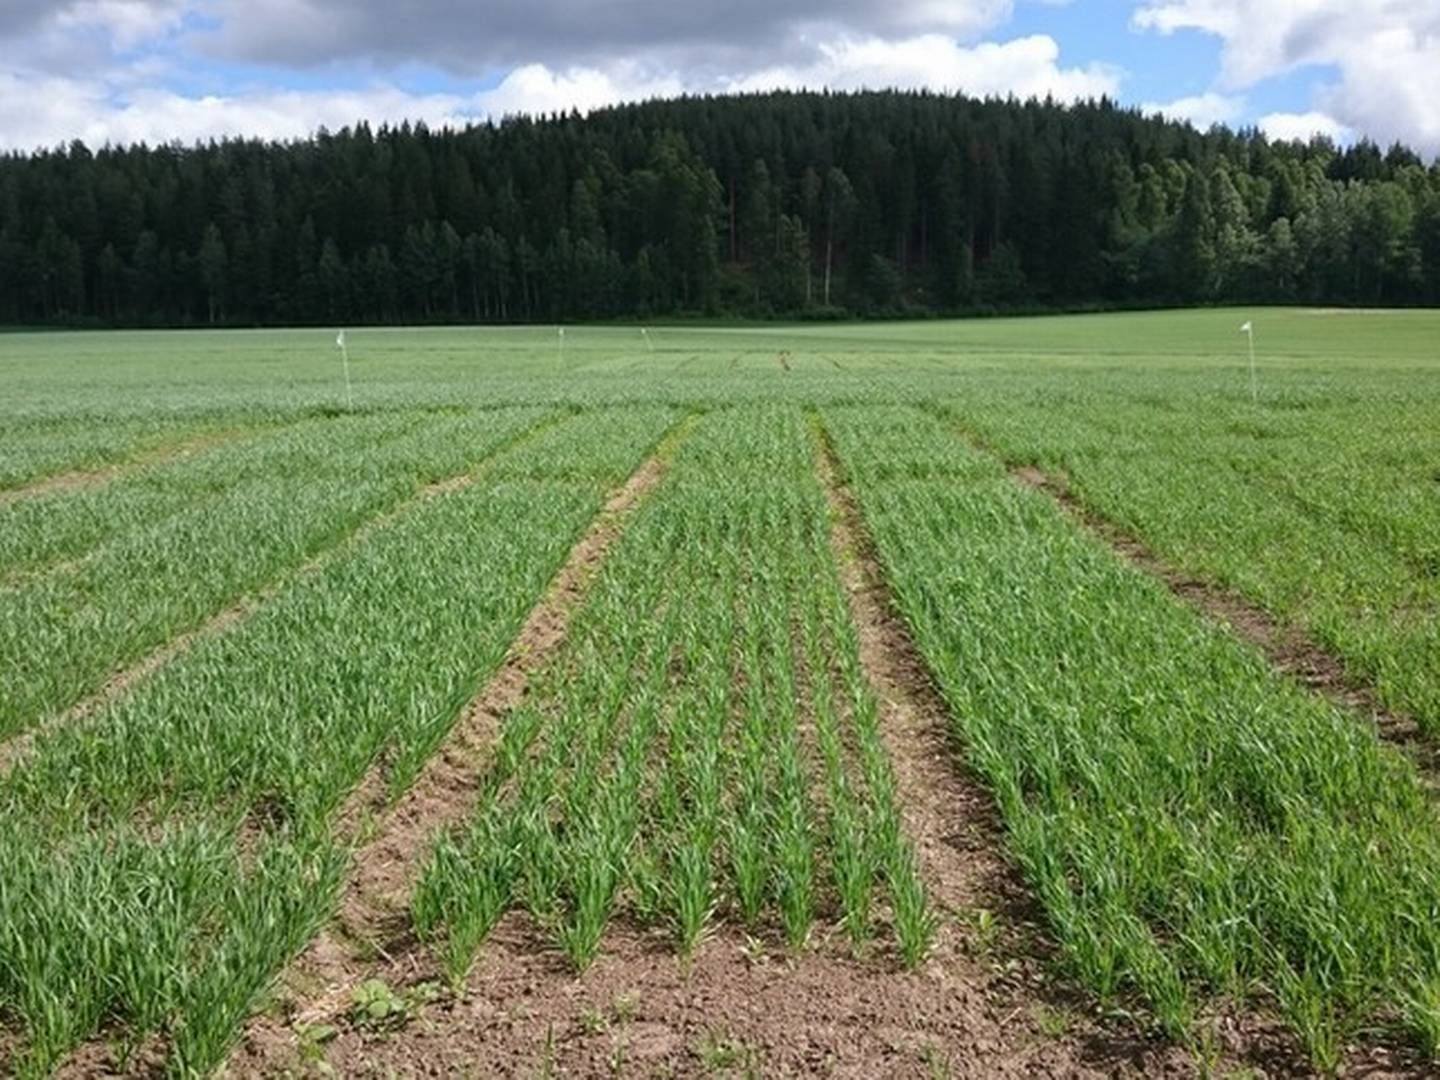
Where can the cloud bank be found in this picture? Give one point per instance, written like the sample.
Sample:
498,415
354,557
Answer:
105,70
124,71
1383,57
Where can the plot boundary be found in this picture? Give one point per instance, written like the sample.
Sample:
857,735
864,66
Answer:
103,475
442,794
1289,650
941,805
19,746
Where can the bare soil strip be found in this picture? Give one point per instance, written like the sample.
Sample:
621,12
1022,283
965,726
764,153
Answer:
373,907
89,479
957,832
20,746
734,1010
1286,646
976,1007
949,816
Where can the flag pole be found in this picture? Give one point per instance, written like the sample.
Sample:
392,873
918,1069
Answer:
345,359
1254,387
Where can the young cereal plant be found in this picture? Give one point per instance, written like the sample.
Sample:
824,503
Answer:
645,887
542,869
747,860
854,875
465,893
694,892
594,877
748,829
915,921
1421,1011
795,870
1311,1012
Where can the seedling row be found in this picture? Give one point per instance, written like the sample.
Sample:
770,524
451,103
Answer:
161,862
1203,835
705,751
198,537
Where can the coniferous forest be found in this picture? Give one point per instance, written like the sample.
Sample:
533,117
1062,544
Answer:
785,204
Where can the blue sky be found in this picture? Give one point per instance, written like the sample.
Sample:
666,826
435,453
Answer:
160,70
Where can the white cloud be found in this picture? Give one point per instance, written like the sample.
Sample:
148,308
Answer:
1202,110
1288,127
60,109
534,88
47,111
1385,53
35,114
1025,67
107,70
44,111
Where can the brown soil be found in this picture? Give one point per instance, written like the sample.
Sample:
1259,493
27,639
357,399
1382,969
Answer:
372,912
1287,647
736,1009
975,1007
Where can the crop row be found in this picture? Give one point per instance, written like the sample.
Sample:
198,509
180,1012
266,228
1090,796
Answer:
161,862
1197,830
705,747
1328,515
54,527
32,451
272,507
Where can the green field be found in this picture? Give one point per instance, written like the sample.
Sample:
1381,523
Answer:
239,621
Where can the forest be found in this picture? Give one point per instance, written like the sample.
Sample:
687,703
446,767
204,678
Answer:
786,204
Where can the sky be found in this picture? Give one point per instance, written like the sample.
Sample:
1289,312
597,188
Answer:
125,71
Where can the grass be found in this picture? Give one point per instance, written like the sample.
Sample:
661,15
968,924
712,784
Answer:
703,755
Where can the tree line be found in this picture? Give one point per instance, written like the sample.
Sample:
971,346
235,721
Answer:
816,204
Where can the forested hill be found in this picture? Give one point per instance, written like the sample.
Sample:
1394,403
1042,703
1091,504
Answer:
786,203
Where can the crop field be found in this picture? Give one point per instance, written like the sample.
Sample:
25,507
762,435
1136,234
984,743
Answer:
999,697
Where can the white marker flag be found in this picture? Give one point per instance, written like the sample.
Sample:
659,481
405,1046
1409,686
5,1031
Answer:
345,356
1249,330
